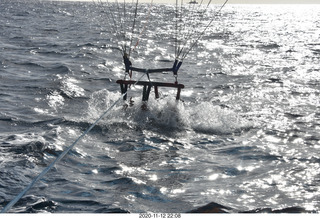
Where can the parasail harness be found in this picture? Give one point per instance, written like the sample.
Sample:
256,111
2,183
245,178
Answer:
183,45
147,85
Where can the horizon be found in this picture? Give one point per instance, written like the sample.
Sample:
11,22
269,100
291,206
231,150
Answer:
292,2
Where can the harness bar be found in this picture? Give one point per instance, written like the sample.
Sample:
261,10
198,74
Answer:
147,85
128,66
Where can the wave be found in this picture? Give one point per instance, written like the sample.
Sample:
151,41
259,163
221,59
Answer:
17,38
110,210
71,88
57,68
51,52
29,64
168,116
22,14
50,30
6,119
208,118
89,44
269,46
218,208
42,206
316,51
29,144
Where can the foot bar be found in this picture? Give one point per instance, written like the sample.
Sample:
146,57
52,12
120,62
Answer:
147,87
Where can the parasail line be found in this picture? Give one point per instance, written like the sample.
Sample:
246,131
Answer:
121,21
193,21
133,26
114,27
201,34
100,2
113,20
176,31
179,27
144,27
122,28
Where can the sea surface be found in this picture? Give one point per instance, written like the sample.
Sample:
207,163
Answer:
246,134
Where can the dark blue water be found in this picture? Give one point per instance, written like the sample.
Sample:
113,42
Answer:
246,135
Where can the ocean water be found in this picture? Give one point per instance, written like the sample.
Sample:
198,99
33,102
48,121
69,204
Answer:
245,135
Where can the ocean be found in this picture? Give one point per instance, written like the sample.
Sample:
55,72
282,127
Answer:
245,135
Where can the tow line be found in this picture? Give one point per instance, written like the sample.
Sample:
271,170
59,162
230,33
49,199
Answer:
62,155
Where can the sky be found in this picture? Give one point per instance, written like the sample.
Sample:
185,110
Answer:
238,1
274,1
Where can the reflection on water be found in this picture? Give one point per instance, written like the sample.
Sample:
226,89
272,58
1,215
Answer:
245,137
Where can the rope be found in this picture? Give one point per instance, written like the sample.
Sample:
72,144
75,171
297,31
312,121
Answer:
144,27
62,155
133,26
185,42
202,33
189,25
